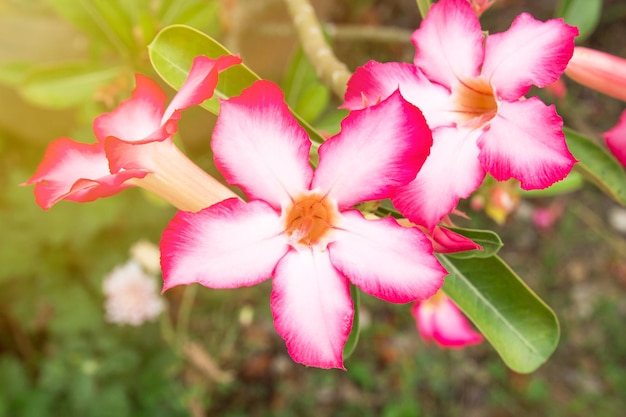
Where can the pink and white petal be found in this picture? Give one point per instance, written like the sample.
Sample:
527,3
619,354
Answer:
133,155
384,259
259,146
378,149
531,52
200,83
76,171
616,139
424,312
374,82
451,328
451,172
525,141
228,245
138,118
446,241
312,308
449,43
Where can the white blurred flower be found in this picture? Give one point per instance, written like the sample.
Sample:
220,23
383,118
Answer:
131,295
148,255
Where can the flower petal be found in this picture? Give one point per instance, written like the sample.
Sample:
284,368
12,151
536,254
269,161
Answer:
384,259
312,308
378,149
374,82
138,118
200,83
423,312
616,139
174,177
230,244
260,147
449,42
78,172
530,52
446,241
525,141
451,328
452,171
443,322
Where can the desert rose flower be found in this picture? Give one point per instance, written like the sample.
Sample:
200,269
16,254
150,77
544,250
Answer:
616,139
471,90
298,225
134,148
439,320
131,295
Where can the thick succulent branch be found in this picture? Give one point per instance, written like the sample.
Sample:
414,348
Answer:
329,69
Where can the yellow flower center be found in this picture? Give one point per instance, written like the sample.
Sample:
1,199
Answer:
310,219
475,102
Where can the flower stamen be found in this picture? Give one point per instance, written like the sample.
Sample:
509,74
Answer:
474,101
310,218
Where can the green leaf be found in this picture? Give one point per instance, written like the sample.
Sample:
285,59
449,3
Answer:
521,328
174,49
585,14
574,181
597,165
424,7
67,85
313,102
353,338
303,90
14,73
490,242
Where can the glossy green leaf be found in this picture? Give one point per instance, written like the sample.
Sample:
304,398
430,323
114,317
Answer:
490,242
313,102
303,91
353,338
174,49
597,165
574,181
585,14
521,328
67,85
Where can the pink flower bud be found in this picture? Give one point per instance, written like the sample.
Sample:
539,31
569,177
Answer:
598,70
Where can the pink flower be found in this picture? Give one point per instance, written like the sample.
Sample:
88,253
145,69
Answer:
131,295
134,147
616,139
438,319
298,225
471,90
598,70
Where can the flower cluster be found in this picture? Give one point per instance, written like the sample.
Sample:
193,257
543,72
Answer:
421,135
471,89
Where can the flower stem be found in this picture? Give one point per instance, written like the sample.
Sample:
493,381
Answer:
184,314
329,69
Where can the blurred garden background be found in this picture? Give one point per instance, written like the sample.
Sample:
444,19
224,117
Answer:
215,353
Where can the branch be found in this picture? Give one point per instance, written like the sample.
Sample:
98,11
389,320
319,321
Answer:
328,68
